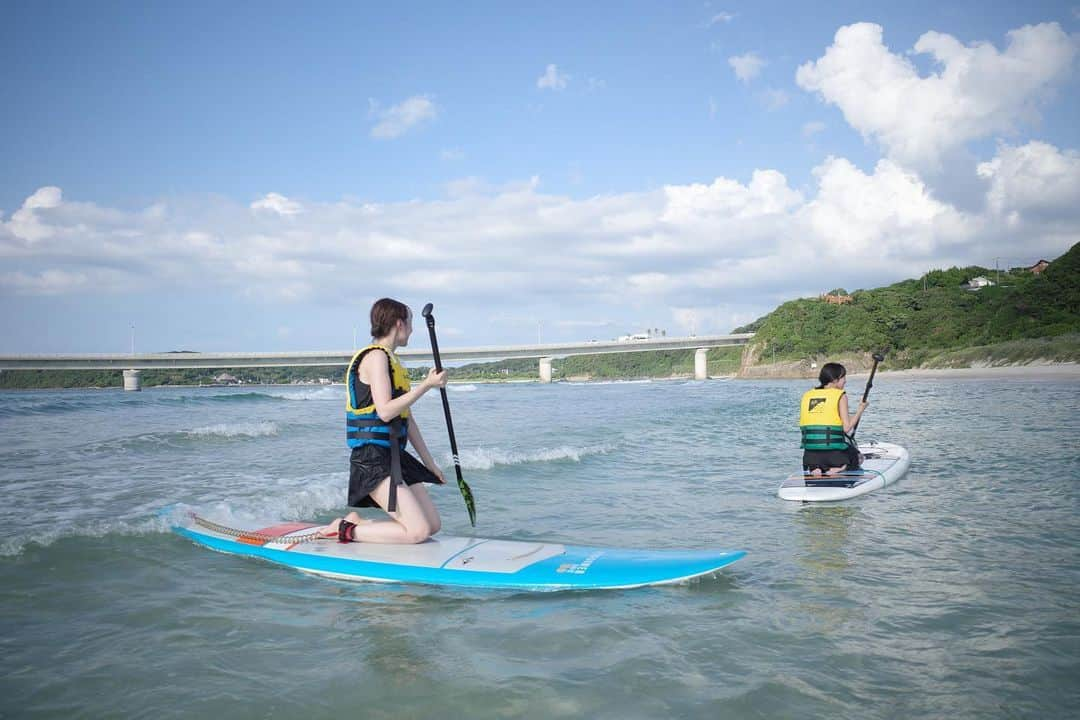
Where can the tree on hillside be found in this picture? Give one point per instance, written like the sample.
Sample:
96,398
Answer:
935,312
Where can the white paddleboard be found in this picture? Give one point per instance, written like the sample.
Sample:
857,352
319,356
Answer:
458,561
883,464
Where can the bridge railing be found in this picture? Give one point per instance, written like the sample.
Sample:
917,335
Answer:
150,361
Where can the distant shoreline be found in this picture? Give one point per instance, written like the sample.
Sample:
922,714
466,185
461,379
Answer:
1034,370
1068,370
1043,370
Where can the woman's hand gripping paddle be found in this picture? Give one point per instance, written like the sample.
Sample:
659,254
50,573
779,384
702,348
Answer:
466,492
878,357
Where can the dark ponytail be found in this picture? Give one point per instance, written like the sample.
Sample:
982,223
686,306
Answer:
830,372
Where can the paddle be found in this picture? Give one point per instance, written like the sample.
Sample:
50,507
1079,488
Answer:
462,485
878,357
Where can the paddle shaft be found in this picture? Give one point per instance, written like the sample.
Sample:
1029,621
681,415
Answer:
466,491
866,392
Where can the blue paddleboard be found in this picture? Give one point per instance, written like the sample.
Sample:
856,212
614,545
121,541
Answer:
459,561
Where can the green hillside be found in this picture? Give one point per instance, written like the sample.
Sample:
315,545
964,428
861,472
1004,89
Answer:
920,320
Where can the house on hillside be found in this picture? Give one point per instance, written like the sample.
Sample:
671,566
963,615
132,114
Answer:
1038,267
978,283
226,379
836,299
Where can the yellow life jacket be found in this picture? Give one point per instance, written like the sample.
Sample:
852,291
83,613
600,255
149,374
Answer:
819,419
362,423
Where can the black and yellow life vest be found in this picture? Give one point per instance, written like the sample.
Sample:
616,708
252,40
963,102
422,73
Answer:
362,423
819,420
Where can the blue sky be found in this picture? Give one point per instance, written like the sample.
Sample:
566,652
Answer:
251,177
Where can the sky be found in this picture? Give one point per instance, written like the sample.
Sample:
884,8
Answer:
252,176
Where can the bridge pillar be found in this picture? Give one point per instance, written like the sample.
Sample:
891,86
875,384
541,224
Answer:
545,369
701,364
131,380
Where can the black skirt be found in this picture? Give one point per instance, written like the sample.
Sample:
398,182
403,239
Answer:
825,460
369,465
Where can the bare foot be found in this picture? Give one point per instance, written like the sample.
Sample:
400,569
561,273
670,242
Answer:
837,470
816,472
331,530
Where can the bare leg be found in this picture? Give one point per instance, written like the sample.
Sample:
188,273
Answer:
409,525
430,511
816,472
836,470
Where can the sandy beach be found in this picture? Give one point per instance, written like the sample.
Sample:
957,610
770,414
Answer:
1056,371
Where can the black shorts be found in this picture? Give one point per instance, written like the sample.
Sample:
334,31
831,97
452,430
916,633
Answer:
825,460
369,465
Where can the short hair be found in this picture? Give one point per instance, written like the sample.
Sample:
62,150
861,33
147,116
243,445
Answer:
384,315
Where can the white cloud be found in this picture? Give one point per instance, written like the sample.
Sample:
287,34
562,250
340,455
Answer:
552,79
452,154
24,222
746,67
767,194
273,202
46,197
580,323
699,320
812,128
976,91
721,17
398,119
724,249
890,213
1036,178
47,282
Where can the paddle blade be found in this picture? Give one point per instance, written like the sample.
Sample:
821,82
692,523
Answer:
466,493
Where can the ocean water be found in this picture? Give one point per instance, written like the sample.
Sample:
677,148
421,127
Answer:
953,593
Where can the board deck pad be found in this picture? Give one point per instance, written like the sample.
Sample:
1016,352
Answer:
883,464
459,561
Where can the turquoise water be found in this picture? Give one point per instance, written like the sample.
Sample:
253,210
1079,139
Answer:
955,592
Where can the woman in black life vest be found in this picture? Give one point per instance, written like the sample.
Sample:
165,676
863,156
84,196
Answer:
378,426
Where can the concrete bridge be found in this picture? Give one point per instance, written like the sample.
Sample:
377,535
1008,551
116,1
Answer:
132,364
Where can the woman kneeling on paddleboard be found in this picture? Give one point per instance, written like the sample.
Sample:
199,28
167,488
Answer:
826,425
378,426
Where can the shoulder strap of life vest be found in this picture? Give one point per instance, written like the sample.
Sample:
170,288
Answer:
352,378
